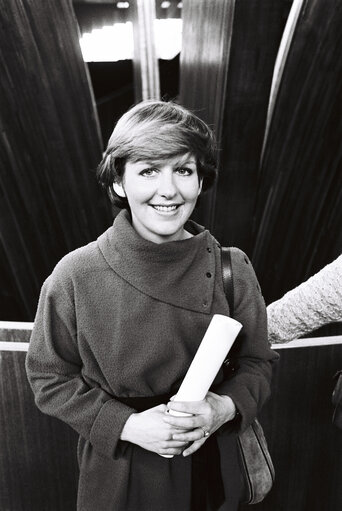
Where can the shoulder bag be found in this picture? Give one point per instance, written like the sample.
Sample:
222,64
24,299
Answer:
256,460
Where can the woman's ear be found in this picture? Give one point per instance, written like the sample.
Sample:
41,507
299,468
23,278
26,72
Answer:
119,190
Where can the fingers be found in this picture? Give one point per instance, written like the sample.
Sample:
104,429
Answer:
194,447
194,428
174,444
171,451
191,407
210,413
190,443
185,423
190,436
161,408
172,447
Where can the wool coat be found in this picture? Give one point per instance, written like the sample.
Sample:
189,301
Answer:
121,319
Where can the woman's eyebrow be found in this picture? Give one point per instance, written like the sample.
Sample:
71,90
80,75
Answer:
147,162
186,162
160,162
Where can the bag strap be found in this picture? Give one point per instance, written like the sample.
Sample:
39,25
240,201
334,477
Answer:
227,276
229,366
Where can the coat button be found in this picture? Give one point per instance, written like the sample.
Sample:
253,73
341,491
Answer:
205,303
209,249
208,274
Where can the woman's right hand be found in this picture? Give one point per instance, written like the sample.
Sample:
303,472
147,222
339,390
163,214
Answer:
148,430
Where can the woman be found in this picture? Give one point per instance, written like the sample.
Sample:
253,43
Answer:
120,320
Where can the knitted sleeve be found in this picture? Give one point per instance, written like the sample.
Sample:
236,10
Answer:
312,304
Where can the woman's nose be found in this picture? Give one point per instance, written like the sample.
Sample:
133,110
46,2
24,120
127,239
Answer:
167,187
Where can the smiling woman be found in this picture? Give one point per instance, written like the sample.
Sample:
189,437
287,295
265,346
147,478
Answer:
161,196
120,320
158,159
150,133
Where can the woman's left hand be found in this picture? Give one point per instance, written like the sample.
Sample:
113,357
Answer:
206,417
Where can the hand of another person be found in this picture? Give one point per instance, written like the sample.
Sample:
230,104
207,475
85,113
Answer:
149,430
206,417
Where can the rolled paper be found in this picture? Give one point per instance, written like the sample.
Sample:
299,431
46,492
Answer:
213,350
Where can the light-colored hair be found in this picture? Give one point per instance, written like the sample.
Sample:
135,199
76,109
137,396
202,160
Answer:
156,130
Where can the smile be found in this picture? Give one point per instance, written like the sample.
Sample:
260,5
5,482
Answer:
166,209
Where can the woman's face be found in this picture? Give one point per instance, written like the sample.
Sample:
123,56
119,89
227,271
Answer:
161,196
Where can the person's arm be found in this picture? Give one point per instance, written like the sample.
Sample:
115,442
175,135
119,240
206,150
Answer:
314,303
54,369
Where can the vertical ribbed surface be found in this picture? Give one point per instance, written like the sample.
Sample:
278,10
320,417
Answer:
278,195
49,148
147,84
257,32
304,444
38,464
298,216
207,35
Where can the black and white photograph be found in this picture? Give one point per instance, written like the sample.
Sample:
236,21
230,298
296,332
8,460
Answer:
171,255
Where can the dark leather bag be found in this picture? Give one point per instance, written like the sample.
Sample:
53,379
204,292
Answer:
256,460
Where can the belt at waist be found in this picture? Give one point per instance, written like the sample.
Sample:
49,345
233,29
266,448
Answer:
141,404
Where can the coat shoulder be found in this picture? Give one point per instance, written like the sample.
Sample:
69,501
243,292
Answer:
76,265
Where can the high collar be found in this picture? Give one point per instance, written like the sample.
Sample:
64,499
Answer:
179,273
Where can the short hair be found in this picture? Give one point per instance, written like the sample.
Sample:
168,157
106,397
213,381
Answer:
157,130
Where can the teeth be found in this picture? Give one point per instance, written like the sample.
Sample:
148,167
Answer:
165,208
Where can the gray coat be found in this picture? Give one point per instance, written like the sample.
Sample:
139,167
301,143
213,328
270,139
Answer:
122,318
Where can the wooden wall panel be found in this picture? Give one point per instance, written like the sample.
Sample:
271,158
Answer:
257,31
286,213
38,464
49,148
145,63
207,32
298,216
305,446
227,60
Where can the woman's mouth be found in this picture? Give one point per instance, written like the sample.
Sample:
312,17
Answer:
165,209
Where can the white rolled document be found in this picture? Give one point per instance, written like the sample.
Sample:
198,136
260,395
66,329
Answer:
213,350
216,343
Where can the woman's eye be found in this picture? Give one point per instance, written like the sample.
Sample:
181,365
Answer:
184,171
148,172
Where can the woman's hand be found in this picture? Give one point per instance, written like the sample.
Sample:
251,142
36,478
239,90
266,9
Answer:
206,417
149,430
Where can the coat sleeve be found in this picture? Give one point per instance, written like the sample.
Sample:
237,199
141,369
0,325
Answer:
54,370
251,355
